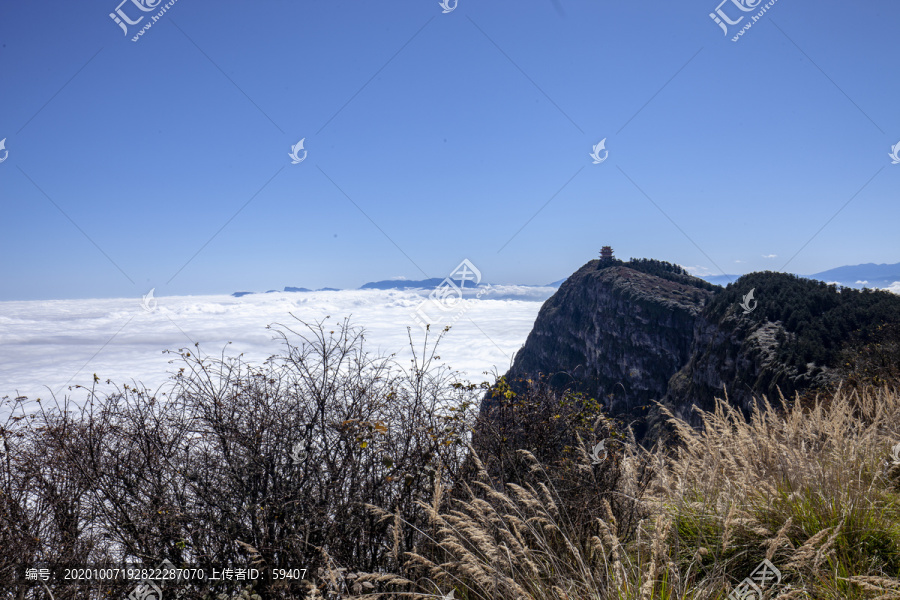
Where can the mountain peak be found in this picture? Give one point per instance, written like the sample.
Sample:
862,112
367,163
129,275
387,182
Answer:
631,333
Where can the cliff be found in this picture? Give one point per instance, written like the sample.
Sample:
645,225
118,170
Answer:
791,341
614,333
631,333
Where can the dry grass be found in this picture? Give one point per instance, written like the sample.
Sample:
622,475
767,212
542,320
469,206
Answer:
812,489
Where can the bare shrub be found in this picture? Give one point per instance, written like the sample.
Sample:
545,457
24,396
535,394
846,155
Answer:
273,466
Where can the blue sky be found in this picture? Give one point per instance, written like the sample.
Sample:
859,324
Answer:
434,137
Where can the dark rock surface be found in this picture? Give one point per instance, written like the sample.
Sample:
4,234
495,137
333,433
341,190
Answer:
615,333
632,333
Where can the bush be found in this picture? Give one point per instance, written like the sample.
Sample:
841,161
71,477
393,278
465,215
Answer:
274,465
554,428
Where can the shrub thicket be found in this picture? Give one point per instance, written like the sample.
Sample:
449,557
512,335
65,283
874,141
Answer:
669,271
275,465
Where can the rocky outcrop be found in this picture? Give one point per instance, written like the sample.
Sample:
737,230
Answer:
614,333
741,355
630,334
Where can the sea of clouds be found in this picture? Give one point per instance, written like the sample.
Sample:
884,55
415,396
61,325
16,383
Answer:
50,345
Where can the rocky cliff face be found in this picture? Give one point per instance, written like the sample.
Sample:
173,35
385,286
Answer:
737,359
743,354
614,333
629,334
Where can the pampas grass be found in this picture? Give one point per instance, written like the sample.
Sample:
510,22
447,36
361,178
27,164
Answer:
810,488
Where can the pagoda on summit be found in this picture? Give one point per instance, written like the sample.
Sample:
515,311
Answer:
606,254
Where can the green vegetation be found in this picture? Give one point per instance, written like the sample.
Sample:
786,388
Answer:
815,490
669,271
874,361
659,268
818,319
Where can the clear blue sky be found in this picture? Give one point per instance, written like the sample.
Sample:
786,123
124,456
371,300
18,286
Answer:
435,137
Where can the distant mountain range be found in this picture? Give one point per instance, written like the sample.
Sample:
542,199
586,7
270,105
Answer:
858,276
287,289
401,284
853,276
867,275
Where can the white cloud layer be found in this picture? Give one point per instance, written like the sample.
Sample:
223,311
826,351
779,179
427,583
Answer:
697,271
59,343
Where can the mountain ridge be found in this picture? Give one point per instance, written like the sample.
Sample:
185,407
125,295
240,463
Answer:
870,275
874,275
632,333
